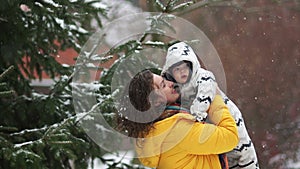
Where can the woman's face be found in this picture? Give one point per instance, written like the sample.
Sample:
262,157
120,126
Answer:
166,88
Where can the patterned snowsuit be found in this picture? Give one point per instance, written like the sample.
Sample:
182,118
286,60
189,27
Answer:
201,90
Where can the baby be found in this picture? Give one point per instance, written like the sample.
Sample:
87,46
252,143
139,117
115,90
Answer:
199,86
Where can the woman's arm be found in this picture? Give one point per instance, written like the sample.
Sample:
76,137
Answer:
220,137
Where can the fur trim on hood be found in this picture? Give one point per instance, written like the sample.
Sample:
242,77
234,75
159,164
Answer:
181,52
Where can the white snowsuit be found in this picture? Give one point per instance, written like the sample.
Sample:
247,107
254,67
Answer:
201,90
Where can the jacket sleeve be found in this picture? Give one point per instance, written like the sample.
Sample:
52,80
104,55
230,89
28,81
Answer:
217,138
206,90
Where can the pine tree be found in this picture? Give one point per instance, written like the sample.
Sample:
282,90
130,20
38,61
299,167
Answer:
39,130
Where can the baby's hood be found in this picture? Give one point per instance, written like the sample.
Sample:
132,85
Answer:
181,52
150,148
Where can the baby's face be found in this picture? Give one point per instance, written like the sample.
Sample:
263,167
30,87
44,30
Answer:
181,73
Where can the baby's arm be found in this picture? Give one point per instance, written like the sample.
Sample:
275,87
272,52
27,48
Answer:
206,90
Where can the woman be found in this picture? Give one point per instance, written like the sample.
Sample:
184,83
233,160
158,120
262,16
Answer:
173,139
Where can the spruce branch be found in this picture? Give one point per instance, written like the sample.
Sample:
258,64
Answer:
4,20
171,7
3,85
78,67
49,132
194,5
7,129
6,72
6,93
160,5
28,131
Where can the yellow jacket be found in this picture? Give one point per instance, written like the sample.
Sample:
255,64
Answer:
178,142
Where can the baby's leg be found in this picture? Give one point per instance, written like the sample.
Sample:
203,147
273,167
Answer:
244,155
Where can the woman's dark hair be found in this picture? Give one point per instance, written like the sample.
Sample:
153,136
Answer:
135,104
139,90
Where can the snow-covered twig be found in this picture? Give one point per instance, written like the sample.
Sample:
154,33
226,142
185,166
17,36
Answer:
6,72
27,131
